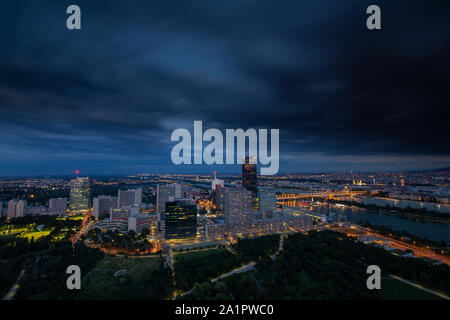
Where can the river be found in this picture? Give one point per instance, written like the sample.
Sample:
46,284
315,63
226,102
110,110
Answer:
429,230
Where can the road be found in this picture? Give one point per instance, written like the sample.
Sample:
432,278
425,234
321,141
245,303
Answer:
395,243
247,267
11,293
420,287
244,268
280,248
85,226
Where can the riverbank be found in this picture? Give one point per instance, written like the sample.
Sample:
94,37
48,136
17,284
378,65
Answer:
425,229
413,214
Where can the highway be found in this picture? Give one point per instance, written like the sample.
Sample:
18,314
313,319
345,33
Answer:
398,244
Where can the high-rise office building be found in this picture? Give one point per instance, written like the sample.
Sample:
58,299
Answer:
249,180
129,197
267,200
79,195
249,176
235,203
165,193
102,204
180,220
1,209
57,206
215,185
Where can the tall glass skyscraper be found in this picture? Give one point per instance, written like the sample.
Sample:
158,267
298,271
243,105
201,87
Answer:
79,195
180,220
250,180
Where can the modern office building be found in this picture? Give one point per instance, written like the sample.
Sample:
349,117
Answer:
234,203
249,180
138,222
79,195
215,231
101,205
165,193
180,220
267,200
215,185
128,218
249,175
57,206
129,197
118,217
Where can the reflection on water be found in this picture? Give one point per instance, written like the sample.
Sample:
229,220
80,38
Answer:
429,230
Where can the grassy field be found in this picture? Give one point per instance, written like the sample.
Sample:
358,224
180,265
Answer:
144,279
35,234
7,232
393,289
197,267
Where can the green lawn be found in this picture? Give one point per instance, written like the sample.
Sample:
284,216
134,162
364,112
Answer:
7,232
145,279
393,289
197,267
35,234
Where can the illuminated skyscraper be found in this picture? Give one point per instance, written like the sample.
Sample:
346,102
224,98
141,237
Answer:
79,195
165,193
215,185
180,220
249,180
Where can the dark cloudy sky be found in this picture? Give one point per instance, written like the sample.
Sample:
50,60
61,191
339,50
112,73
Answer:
106,99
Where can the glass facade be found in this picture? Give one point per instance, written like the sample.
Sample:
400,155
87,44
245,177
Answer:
79,195
180,220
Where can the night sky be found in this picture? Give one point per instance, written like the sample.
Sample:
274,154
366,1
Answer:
105,99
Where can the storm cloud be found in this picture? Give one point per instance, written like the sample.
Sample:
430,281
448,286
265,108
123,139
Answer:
106,98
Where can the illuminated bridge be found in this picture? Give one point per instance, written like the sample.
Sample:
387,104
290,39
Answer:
326,194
